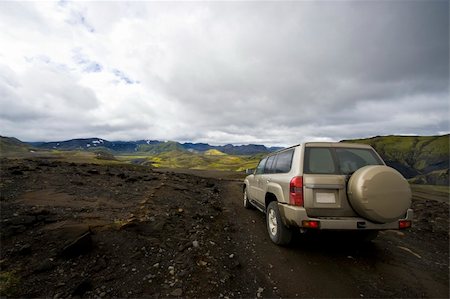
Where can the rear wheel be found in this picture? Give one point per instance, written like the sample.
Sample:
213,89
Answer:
247,203
278,232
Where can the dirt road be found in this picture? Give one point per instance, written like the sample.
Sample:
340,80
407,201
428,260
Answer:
407,264
101,231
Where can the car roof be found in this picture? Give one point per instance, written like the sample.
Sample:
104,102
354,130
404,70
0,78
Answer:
322,144
337,144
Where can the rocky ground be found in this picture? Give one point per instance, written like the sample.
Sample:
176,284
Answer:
85,230
115,231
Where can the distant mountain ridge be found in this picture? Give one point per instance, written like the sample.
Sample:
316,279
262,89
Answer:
151,146
11,144
421,159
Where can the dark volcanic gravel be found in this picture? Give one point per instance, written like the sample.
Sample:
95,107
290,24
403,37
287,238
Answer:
87,230
115,231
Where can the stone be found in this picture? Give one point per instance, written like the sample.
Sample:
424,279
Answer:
79,246
177,292
82,287
45,266
259,292
25,249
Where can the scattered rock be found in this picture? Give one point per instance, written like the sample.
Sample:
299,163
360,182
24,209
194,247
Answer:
82,288
202,263
39,211
181,188
209,184
185,246
177,292
79,246
259,292
236,264
131,180
122,175
45,266
25,220
25,249
105,246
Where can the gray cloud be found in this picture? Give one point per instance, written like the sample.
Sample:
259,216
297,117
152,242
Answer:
239,72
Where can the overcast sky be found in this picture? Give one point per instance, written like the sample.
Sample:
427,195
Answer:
274,73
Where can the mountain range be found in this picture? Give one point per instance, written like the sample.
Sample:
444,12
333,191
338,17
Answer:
421,159
151,146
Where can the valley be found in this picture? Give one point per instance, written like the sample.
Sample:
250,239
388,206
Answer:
420,159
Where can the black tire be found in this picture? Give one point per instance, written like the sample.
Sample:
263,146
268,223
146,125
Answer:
278,232
247,203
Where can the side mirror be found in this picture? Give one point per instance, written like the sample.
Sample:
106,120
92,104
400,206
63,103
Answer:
249,171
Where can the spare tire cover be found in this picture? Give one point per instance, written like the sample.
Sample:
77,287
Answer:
379,193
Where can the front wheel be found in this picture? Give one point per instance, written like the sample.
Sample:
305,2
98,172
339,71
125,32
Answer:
278,232
247,203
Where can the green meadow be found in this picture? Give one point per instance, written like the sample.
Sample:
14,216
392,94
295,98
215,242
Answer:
183,159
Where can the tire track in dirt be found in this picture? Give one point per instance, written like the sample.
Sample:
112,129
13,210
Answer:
330,265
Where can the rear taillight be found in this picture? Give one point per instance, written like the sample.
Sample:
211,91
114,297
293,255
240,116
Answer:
310,224
404,224
296,191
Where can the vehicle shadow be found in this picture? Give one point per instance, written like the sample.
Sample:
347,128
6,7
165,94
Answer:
338,244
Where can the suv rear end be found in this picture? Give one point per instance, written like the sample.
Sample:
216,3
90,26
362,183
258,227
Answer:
328,186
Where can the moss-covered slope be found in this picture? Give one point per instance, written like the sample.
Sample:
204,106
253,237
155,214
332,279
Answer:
414,156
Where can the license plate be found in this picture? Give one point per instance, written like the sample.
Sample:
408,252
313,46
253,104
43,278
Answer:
325,198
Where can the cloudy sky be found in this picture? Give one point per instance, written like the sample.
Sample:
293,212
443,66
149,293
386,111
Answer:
275,73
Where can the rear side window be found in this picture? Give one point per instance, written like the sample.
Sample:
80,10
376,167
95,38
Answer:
319,160
284,161
338,160
270,165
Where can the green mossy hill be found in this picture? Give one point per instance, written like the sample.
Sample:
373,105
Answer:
159,148
437,177
104,155
10,145
186,159
414,156
214,152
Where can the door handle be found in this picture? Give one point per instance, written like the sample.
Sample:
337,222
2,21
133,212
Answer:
268,181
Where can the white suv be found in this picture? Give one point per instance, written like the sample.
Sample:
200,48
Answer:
328,186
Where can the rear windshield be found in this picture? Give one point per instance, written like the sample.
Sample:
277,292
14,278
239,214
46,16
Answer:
322,160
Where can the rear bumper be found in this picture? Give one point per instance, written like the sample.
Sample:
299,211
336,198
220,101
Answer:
294,216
